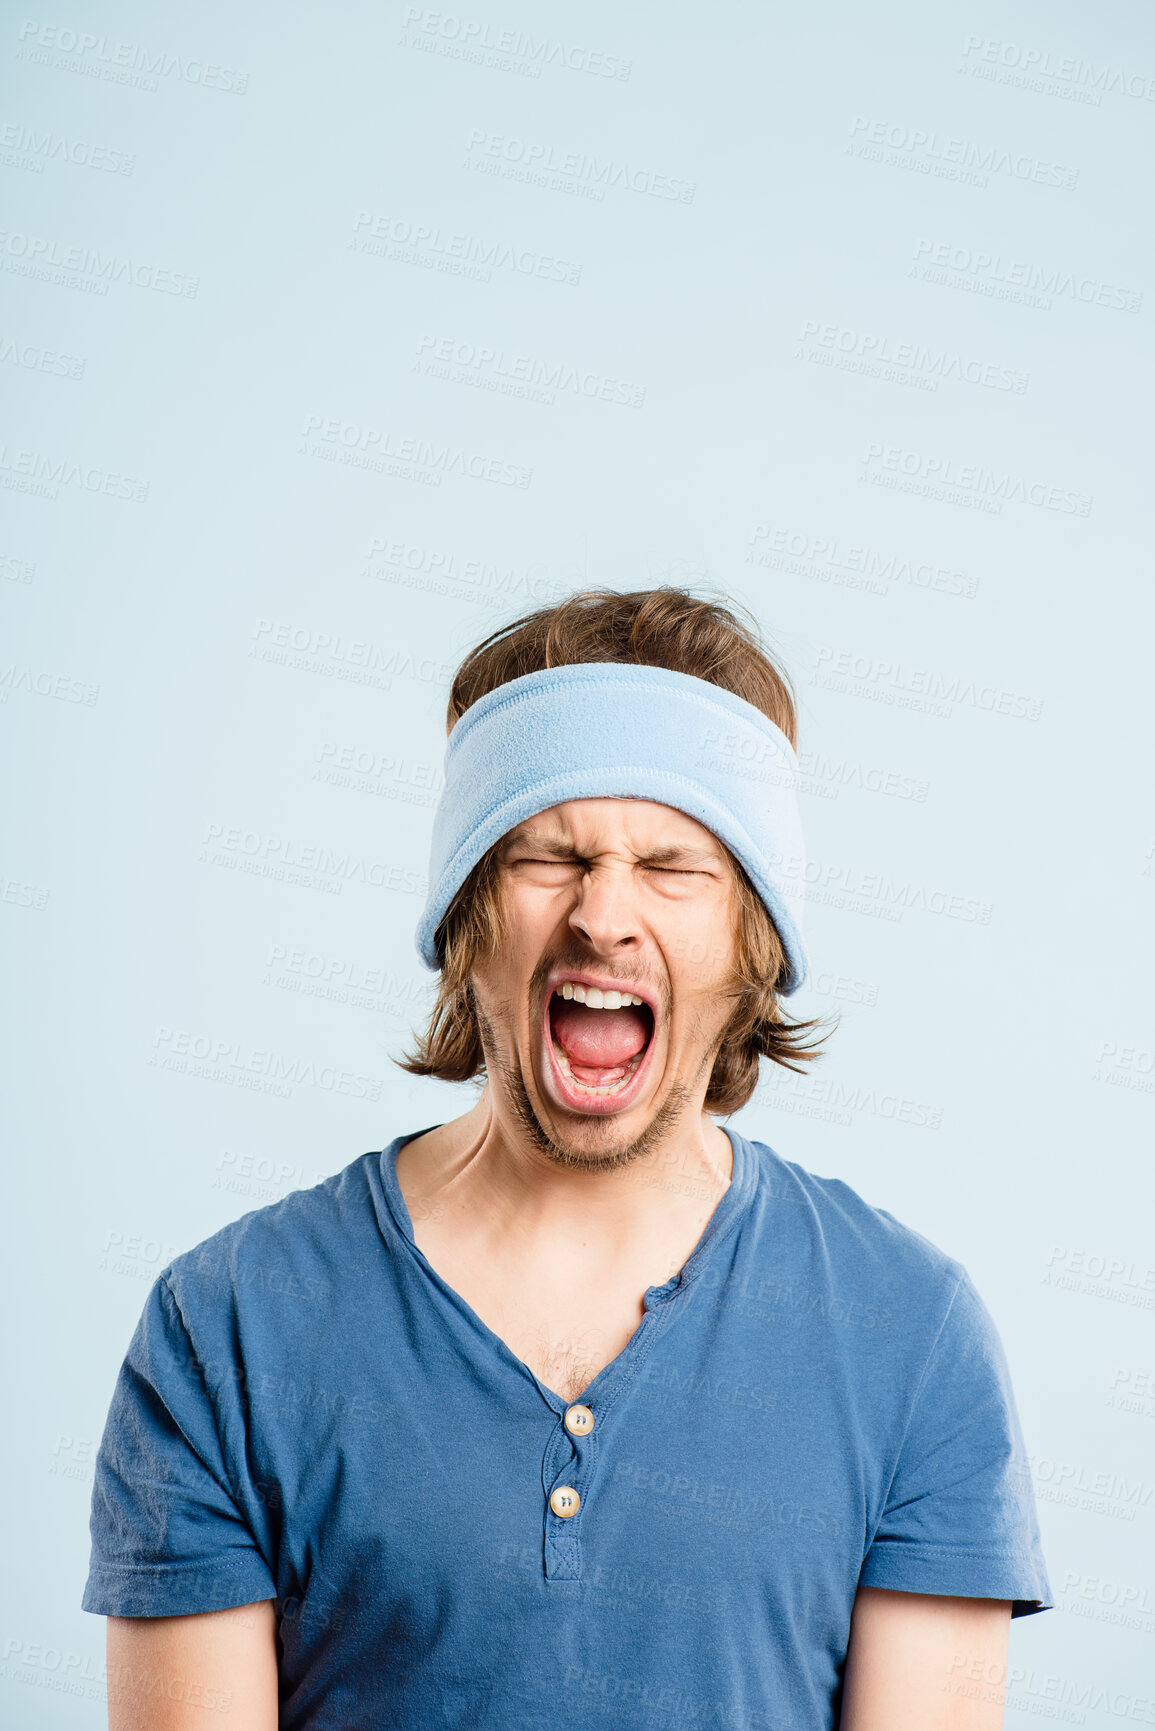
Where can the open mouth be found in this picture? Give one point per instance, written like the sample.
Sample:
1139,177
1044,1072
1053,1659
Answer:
598,1039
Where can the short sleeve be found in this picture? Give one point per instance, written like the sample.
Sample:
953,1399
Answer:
959,1516
168,1538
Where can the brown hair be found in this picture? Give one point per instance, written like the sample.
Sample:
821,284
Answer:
663,627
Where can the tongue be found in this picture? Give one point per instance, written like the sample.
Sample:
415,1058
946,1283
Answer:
599,1039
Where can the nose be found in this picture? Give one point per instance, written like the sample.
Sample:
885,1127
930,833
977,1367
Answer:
605,912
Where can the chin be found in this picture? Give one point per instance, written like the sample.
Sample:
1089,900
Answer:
598,1140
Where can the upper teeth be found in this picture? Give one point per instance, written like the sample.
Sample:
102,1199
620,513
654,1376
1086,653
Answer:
596,998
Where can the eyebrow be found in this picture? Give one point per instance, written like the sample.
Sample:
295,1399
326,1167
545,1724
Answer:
672,854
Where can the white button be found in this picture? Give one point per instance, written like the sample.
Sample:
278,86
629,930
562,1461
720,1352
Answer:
564,1501
579,1421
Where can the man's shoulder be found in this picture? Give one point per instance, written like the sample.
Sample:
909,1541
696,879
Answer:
294,1249
854,1233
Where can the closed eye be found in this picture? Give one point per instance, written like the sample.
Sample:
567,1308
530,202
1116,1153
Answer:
568,865
584,866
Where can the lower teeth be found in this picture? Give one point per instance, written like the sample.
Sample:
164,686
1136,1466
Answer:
566,1069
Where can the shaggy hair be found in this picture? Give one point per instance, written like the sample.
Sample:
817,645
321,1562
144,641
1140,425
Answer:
658,628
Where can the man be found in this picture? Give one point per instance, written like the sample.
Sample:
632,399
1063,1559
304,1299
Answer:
578,1408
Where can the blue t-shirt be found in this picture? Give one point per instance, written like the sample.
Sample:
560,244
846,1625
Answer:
307,1412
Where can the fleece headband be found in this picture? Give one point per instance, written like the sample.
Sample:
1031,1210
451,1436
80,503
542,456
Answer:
616,728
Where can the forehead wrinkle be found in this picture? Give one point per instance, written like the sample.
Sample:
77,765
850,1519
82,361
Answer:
556,836
668,854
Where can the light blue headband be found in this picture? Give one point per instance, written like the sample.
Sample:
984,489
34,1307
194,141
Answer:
616,728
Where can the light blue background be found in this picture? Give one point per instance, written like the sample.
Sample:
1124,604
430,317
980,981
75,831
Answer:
184,674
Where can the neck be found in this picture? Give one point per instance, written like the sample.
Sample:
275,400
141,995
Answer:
490,1167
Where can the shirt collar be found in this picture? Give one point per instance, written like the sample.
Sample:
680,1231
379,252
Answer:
725,1217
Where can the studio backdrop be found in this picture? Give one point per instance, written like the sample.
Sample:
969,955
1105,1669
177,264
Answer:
335,337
